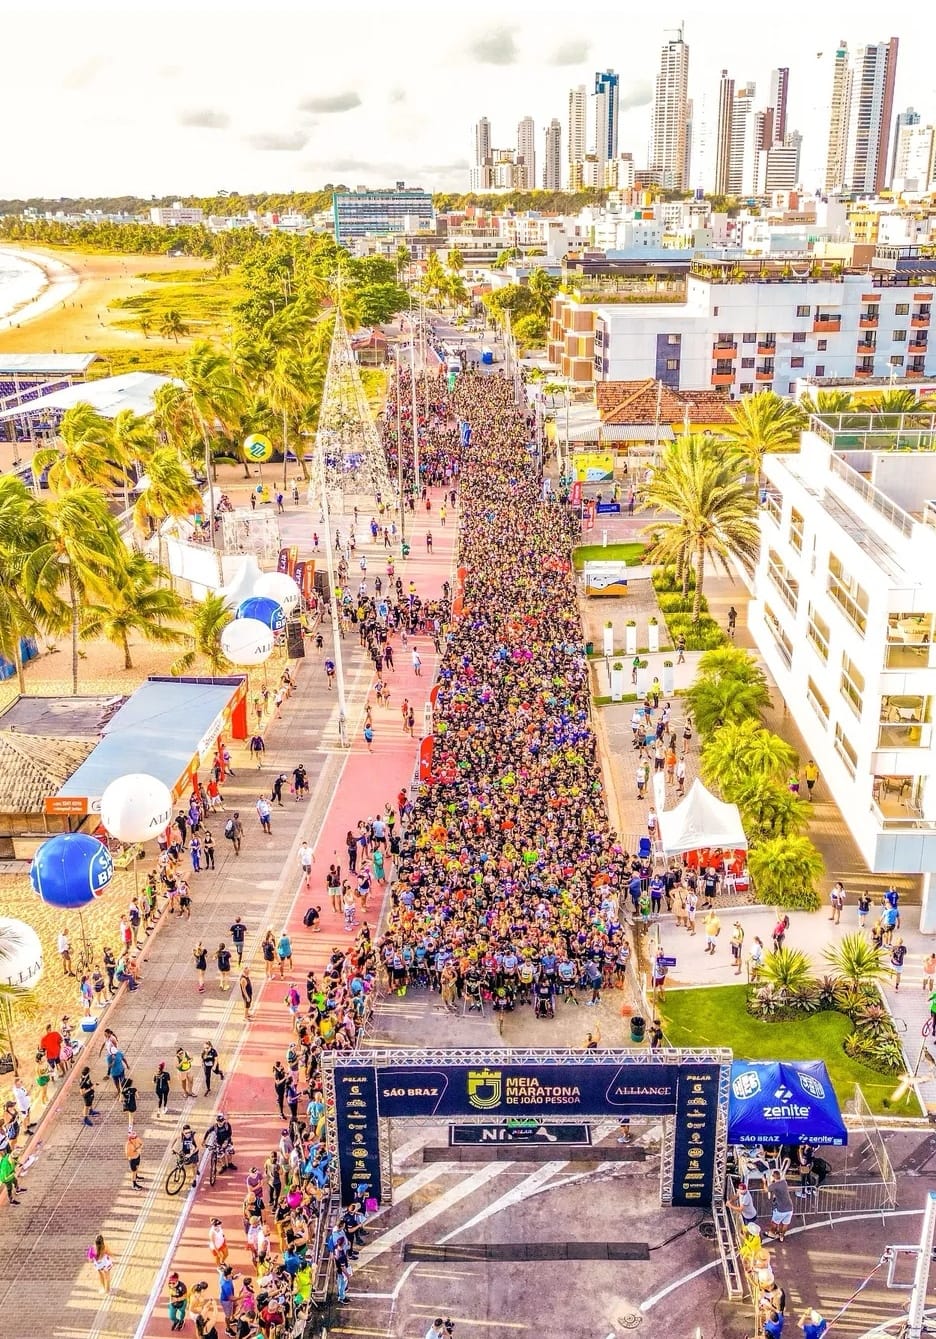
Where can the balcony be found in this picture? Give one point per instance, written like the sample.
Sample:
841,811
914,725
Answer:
920,321
904,735
726,350
866,346
766,348
868,322
722,378
764,374
827,325
864,371
916,372
916,346
893,814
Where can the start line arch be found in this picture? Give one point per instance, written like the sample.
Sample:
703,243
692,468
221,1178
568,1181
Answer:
687,1089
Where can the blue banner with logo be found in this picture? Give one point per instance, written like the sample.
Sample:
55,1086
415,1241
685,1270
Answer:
358,1135
783,1102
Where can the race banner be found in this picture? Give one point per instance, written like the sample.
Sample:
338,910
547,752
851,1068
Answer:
426,749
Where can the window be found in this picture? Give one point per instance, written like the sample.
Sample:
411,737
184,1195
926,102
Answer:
852,684
846,751
747,387
799,337
796,530
817,630
822,345
786,584
818,703
747,362
803,311
851,597
899,336
797,362
896,360
820,369
780,636
902,309
714,311
750,337
724,339
773,505
672,339
672,364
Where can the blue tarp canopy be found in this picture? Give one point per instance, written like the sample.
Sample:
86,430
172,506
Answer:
783,1102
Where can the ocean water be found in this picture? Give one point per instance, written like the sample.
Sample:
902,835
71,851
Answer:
20,281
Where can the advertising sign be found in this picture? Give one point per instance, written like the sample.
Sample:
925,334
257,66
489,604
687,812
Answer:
358,1135
695,1132
593,467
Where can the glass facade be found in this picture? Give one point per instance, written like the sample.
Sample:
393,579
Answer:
357,213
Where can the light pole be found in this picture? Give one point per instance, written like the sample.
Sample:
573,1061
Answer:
399,452
416,489
333,606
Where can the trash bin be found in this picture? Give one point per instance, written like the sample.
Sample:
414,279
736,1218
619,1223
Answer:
487,357
638,1026
589,648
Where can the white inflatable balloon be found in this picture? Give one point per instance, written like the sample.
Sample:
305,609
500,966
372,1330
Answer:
281,588
242,584
247,641
21,964
136,807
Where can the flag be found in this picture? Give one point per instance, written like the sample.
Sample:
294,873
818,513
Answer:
575,493
425,760
292,557
299,576
282,562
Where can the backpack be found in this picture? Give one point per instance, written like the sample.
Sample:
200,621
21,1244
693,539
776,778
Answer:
229,829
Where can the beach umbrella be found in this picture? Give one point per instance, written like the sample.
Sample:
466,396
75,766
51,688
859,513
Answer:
136,807
263,610
70,870
247,641
280,588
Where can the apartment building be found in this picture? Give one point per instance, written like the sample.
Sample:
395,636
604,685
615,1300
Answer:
844,614
759,324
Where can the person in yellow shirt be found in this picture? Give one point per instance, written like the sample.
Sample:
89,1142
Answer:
712,931
811,772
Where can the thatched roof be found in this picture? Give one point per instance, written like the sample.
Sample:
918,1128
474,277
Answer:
33,767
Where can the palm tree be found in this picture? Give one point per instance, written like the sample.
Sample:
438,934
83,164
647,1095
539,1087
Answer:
768,808
135,603
543,287
505,257
78,558
171,325
19,532
170,491
855,961
434,277
897,400
786,971
132,438
718,702
765,423
85,454
212,396
742,751
699,481
207,621
455,260
827,402
401,258
785,872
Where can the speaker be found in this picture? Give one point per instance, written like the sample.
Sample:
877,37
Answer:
295,644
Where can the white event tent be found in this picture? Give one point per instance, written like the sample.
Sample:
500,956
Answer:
701,822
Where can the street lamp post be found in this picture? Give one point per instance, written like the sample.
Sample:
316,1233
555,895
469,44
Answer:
399,453
415,419
335,614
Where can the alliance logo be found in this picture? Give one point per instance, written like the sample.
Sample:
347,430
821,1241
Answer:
484,1089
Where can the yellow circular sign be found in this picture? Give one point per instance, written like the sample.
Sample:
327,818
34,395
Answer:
257,448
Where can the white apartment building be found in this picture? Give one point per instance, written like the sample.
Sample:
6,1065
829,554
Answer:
749,325
176,216
844,614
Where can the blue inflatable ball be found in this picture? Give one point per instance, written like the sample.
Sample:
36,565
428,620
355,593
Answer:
265,610
70,870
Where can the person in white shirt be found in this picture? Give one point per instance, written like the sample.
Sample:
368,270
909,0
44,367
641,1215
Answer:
306,857
64,949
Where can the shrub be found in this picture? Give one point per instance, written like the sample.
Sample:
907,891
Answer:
664,579
677,603
883,1053
705,635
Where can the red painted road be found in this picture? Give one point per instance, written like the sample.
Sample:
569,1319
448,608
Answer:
368,782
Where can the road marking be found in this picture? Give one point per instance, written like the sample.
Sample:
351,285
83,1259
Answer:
519,1192
431,1211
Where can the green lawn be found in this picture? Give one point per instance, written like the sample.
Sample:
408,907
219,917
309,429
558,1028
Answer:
717,1017
631,554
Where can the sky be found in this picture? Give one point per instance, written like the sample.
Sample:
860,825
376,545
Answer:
204,95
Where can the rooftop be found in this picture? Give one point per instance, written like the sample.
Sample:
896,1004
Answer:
109,396
59,717
875,431
630,402
40,364
35,766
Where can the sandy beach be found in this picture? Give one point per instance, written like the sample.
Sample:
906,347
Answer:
71,314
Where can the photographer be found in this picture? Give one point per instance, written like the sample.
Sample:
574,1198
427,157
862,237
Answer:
440,1329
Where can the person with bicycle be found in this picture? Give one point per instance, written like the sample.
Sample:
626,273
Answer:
220,1136
187,1149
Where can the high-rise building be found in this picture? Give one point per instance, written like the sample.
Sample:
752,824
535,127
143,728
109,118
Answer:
745,144
526,153
907,118
668,152
690,132
576,137
726,92
782,169
779,84
607,85
874,70
552,156
913,160
482,141
838,120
